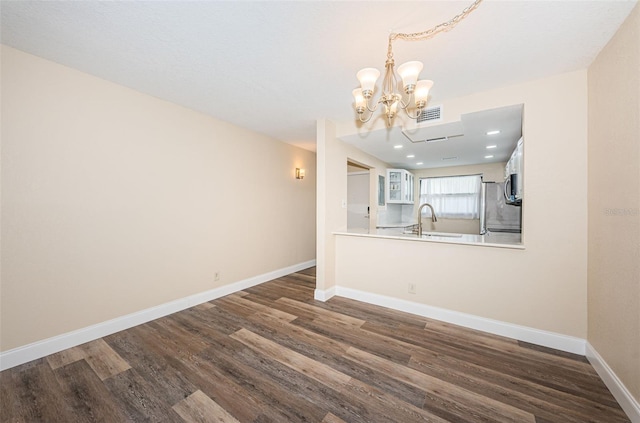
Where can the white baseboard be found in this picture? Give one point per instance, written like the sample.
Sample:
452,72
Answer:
324,295
629,404
522,333
39,349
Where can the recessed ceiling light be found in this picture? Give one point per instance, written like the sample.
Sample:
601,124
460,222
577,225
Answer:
411,156
491,146
493,132
397,146
419,163
488,157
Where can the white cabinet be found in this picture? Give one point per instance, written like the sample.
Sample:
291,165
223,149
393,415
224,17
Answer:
514,165
513,176
399,186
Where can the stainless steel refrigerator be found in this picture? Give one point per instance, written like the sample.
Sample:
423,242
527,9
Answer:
496,215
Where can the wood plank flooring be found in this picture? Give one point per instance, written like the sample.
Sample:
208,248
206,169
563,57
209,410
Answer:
274,354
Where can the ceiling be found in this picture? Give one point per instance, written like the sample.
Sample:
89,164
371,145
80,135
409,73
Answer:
276,66
468,141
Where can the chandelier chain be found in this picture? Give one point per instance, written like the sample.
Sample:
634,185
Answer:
423,35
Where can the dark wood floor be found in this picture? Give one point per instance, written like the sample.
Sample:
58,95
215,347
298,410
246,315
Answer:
273,354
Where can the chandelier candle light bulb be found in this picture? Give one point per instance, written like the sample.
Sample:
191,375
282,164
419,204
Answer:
368,78
422,92
360,102
392,110
409,72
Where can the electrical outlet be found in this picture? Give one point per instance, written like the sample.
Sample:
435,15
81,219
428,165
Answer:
216,276
412,288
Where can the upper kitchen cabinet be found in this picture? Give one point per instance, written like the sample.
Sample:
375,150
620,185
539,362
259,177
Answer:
399,186
513,186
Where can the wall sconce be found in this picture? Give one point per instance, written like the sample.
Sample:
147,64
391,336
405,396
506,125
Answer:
299,173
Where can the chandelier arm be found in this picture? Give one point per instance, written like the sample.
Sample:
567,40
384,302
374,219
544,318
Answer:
370,110
365,120
419,112
374,107
404,105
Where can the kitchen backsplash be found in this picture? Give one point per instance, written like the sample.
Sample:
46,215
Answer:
396,214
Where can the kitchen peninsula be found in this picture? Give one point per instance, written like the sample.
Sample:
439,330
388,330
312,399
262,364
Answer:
490,239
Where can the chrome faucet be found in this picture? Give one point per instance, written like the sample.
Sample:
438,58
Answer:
433,217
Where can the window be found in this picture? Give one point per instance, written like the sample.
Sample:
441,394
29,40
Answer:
452,197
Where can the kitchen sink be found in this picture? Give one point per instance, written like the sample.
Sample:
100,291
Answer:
442,234
425,233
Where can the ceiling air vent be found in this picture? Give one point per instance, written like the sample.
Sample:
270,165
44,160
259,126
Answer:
430,114
436,139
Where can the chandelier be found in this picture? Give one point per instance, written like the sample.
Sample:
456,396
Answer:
416,90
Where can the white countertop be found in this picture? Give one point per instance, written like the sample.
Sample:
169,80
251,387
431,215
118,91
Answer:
492,239
397,225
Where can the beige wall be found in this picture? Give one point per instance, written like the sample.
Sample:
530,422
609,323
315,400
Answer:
614,203
491,172
543,286
114,201
333,156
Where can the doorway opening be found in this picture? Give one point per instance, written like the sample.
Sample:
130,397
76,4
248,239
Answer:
358,187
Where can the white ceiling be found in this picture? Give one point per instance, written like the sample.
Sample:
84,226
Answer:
465,141
277,66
